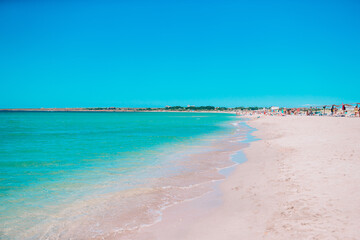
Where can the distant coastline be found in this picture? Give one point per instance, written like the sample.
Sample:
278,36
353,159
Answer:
191,108
114,109
333,110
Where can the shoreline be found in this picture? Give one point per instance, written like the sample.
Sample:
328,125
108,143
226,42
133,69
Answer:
120,214
300,181
228,152
177,218
269,178
157,177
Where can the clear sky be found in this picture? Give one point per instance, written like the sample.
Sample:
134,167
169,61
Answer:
154,53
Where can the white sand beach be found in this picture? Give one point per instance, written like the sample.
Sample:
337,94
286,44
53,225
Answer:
301,181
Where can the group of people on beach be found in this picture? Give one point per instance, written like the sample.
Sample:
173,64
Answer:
334,111
344,111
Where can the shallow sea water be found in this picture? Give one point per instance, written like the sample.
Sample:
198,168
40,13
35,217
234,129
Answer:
105,173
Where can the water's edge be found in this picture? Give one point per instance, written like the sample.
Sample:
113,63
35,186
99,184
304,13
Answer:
204,203
188,173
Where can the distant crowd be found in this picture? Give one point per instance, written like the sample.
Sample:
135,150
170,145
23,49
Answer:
343,110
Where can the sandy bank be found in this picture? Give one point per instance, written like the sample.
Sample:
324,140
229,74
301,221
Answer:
301,181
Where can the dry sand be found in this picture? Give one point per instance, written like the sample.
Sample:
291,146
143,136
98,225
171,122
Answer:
301,181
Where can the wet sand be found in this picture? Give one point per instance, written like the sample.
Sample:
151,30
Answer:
300,181
189,174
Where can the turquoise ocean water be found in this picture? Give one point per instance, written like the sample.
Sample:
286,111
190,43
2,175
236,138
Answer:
48,159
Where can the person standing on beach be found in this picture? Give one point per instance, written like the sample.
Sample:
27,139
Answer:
332,110
356,111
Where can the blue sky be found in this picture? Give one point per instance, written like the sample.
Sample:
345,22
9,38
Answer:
156,53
